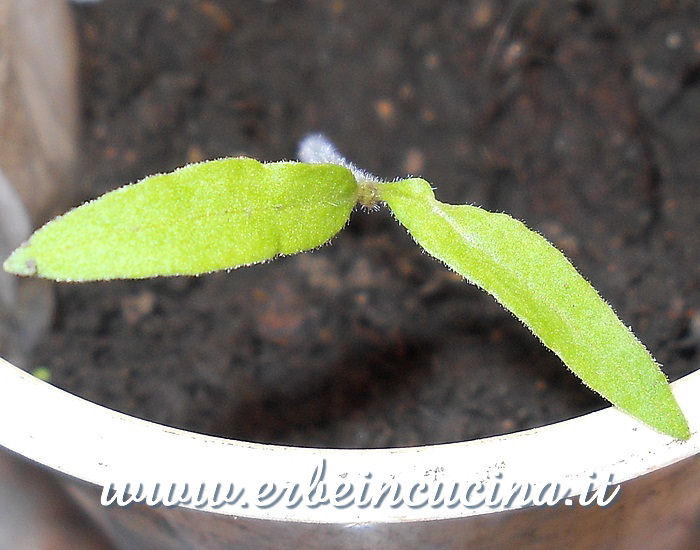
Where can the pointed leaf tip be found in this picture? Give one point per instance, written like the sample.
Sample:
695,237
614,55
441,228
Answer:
20,262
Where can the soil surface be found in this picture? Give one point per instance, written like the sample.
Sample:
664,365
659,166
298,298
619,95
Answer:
582,119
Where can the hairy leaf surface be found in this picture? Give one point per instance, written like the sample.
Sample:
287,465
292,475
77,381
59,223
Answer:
532,279
204,217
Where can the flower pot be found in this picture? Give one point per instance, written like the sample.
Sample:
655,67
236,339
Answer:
88,446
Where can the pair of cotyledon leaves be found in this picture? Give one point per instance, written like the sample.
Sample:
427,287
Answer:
237,211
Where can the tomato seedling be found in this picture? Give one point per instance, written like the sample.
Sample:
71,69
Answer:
231,212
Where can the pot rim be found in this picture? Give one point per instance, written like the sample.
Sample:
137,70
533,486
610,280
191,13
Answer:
98,445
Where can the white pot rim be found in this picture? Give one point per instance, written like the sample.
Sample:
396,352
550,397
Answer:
98,445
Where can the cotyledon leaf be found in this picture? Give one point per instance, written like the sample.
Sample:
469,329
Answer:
532,279
203,217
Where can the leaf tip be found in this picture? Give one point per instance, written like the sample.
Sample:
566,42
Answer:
21,262
678,427
667,417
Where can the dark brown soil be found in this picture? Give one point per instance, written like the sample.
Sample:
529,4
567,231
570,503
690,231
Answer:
580,118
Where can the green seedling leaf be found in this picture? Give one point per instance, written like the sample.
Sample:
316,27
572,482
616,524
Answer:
532,279
204,217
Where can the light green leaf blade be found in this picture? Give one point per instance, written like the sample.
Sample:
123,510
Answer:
203,217
532,279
